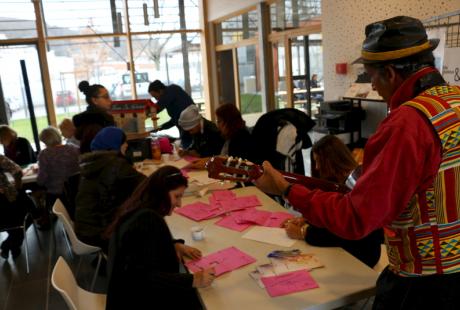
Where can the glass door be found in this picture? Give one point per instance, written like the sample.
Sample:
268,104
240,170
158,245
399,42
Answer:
250,97
279,68
13,91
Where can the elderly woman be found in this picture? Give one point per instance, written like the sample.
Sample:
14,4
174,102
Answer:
57,162
17,149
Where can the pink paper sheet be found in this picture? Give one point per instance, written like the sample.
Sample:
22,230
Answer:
190,158
240,203
230,223
223,261
223,195
277,218
252,216
197,211
288,283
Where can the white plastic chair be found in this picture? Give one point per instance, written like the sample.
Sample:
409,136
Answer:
75,297
76,246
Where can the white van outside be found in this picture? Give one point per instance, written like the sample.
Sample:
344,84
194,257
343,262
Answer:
142,85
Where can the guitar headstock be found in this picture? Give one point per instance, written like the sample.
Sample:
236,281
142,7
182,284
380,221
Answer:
233,169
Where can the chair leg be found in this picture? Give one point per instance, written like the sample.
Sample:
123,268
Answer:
99,259
26,247
67,241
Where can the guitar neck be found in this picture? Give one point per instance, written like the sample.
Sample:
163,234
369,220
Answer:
314,183
227,168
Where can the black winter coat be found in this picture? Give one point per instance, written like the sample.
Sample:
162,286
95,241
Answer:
89,123
107,180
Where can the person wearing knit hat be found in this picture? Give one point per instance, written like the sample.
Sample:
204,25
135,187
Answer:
190,117
206,138
410,181
110,139
107,180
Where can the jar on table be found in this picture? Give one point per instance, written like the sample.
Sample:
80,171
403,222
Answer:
156,150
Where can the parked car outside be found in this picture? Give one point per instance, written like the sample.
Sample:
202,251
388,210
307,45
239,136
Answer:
65,98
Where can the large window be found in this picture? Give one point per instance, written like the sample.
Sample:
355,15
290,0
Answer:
14,88
89,40
237,28
96,60
83,17
279,68
250,98
156,15
17,19
288,14
168,58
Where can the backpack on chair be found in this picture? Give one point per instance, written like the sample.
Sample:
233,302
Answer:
280,136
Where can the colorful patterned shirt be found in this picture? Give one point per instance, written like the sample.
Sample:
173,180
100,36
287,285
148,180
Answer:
6,187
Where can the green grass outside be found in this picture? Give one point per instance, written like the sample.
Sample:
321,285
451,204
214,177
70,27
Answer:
251,103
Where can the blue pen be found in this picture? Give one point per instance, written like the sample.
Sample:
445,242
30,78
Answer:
280,253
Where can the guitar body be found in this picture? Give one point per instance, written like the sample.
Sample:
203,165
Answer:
234,169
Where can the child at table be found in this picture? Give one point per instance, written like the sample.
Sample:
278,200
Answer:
144,259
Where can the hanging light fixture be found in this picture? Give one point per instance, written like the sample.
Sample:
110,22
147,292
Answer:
156,9
146,14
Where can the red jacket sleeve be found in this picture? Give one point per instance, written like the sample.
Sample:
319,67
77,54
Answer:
401,158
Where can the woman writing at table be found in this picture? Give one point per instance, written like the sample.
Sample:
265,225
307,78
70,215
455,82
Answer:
144,259
331,160
238,140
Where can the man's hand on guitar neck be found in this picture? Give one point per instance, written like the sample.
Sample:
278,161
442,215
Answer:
272,181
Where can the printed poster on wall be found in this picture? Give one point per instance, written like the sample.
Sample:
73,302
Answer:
451,67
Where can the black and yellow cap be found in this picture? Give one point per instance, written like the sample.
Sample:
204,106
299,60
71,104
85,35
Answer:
395,38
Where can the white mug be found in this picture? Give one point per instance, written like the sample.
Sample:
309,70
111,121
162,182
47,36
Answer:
197,233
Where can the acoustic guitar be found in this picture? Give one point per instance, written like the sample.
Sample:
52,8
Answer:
239,170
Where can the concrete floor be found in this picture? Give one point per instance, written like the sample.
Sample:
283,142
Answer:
19,290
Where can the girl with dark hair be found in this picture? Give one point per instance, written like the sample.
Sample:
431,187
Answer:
144,259
333,161
107,180
238,140
96,116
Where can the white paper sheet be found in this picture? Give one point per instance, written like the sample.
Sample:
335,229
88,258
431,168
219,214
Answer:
270,235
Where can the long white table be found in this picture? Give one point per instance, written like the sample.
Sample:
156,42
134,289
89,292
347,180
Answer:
198,181
342,281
